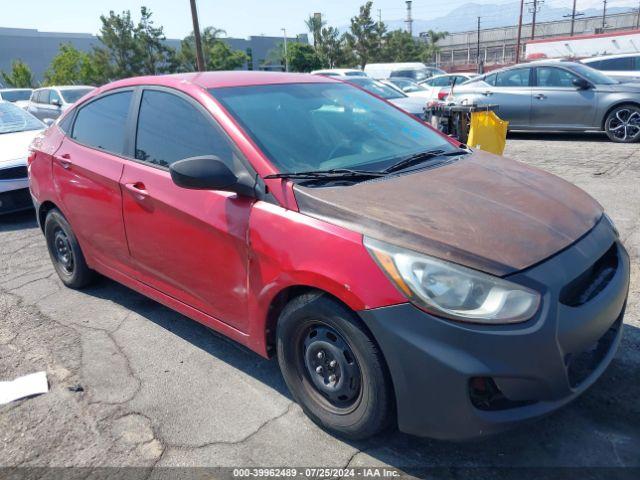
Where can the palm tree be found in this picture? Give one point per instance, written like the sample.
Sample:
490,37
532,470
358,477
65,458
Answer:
314,24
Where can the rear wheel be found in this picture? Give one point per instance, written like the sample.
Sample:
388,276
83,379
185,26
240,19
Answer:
65,252
623,124
333,368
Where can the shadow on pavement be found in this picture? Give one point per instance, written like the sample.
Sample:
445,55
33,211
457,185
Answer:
600,429
18,221
560,136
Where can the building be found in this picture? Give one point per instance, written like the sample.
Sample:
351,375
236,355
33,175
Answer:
458,51
37,49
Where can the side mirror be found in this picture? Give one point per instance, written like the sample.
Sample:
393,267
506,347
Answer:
406,89
206,173
581,84
48,121
56,103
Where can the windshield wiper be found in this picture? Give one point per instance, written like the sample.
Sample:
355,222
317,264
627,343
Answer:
334,173
422,157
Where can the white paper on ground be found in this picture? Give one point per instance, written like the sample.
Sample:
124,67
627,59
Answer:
32,384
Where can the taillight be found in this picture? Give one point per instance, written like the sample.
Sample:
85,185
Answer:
443,93
31,157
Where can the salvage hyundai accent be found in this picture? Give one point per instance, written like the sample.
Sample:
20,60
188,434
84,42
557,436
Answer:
398,277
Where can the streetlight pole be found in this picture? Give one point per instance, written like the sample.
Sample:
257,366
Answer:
286,61
604,15
196,37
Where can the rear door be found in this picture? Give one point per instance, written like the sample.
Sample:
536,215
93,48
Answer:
511,91
86,171
189,244
558,103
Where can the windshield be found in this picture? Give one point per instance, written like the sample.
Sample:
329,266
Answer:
377,88
321,126
593,75
15,95
15,119
355,74
72,95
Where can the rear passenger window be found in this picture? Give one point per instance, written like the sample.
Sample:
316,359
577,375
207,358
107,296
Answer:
171,129
617,64
513,78
102,123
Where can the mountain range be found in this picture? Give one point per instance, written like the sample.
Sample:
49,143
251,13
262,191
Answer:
465,17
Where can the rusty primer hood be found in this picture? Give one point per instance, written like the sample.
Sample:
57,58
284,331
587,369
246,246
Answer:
482,211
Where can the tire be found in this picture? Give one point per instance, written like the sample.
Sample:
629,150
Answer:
357,402
622,124
65,252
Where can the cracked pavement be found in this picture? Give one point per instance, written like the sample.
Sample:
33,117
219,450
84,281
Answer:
161,390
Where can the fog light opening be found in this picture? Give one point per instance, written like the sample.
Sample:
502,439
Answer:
485,395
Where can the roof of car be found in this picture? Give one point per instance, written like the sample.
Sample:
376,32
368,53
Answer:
606,57
222,79
64,87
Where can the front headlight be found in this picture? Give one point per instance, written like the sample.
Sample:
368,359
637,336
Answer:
452,291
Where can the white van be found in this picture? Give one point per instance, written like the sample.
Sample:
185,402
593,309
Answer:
416,71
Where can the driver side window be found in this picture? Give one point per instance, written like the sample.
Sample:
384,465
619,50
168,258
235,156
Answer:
555,77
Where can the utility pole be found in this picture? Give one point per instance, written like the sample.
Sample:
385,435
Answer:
519,39
478,61
409,20
604,15
286,61
379,15
534,8
638,18
196,37
573,16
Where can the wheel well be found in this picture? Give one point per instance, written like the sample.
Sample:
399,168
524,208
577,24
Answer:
621,104
45,208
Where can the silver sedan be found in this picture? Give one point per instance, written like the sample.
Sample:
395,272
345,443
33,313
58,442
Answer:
558,96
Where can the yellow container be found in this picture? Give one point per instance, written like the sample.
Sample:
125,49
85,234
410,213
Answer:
487,132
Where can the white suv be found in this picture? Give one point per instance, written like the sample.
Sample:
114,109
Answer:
623,67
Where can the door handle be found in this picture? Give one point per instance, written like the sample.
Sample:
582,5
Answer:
65,161
541,96
138,189
487,93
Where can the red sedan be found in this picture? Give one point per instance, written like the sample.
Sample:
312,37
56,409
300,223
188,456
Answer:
399,277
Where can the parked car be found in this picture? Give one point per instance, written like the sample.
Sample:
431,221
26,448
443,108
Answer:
623,67
415,71
340,72
556,96
396,277
19,96
439,86
17,130
48,103
408,87
413,105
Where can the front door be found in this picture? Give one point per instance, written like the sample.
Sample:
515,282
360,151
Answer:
558,103
86,171
189,244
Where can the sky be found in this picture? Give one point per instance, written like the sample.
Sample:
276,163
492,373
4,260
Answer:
238,18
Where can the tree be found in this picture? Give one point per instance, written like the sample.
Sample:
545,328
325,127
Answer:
118,39
71,67
302,57
20,75
401,46
365,36
156,57
314,24
430,48
218,55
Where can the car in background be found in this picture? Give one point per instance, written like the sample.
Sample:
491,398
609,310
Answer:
623,67
48,103
558,96
413,105
408,87
19,96
439,86
18,128
415,71
340,72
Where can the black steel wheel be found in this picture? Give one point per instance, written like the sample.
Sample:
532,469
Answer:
333,367
65,252
623,124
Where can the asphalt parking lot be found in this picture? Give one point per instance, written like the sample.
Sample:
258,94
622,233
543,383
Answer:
133,383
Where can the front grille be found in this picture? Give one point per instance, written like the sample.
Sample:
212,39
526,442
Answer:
13,173
592,281
581,365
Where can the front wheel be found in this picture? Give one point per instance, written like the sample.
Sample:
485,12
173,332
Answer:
623,124
333,368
